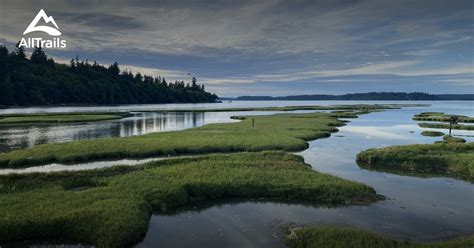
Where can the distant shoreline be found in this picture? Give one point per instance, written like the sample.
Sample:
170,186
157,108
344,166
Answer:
374,100
370,96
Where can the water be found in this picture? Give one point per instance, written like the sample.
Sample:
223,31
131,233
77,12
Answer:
139,124
193,106
23,136
78,167
417,208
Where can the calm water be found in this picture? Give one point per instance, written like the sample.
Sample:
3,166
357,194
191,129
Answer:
22,136
197,106
421,209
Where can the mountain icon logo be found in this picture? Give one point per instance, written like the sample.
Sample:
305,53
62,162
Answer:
47,19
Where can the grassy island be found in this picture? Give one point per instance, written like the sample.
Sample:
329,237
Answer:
441,121
441,117
451,139
449,158
288,132
432,133
337,237
111,207
446,126
59,117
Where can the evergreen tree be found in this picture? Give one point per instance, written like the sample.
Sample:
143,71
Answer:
114,68
19,52
40,81
38,56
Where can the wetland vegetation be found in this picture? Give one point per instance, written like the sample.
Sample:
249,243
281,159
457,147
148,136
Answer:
451,139
441,117
432,133
59,117
111,207
441,120
446,126
339,237
454,159
288,132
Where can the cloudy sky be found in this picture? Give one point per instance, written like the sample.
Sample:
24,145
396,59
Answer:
269,47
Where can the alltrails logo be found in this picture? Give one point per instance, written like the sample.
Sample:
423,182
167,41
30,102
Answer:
56,42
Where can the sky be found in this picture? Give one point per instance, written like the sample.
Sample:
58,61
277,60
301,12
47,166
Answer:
272,47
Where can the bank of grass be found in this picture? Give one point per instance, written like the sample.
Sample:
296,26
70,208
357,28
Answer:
451,139
338,237
288,132
58,117
446,126
114,207
432,133
450,159
441,117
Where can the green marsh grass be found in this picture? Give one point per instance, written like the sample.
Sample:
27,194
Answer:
441,117
450,158
58,117
114,208
446,126
432,133
288,132
338,237
451,139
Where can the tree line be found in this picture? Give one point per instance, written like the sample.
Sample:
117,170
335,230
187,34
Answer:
400,96
39,80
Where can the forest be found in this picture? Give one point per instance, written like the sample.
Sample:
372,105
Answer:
39,80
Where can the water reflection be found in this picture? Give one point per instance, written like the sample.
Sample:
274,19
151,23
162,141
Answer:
82,166
20,136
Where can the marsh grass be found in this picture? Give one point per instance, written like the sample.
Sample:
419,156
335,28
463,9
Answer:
58,117
338,237
441,117
288,132
450,159
114,205
446,126
451,139
432,133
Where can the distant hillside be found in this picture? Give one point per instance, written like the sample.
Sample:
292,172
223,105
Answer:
371,96
41,81
456,97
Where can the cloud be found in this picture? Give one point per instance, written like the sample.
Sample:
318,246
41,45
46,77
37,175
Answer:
376,68
232,43
100,21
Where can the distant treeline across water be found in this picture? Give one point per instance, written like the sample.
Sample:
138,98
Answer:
400,96
41,81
